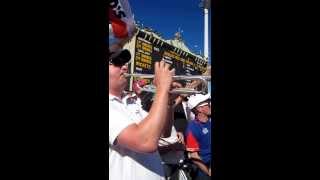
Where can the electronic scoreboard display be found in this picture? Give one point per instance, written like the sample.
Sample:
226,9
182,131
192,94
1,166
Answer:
148,49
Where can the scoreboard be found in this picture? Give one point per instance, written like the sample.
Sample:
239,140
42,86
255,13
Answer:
148,49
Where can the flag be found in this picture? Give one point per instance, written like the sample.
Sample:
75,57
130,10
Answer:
121,23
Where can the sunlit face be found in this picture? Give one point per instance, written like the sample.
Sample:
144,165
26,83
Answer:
117,80
204,108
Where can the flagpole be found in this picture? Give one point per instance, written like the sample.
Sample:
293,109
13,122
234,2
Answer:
205,4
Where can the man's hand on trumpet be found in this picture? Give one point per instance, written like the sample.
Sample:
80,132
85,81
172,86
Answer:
163,76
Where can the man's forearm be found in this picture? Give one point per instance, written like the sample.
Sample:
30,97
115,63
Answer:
169,123
152,126
198,161
201,166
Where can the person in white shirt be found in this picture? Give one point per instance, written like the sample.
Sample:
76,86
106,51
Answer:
171,148
133,139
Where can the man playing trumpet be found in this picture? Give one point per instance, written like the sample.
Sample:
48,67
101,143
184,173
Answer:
133,141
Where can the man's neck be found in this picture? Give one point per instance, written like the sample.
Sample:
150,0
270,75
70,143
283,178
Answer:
202,118
116,93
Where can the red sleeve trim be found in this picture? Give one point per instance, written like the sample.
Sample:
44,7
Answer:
192,143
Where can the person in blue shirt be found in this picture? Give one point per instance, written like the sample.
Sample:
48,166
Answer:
198,135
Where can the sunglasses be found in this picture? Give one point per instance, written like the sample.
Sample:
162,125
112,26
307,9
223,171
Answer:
120,58
118,62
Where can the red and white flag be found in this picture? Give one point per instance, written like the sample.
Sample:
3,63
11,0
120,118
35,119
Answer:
121,23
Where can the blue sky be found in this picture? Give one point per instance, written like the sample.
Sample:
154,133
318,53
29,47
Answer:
167,16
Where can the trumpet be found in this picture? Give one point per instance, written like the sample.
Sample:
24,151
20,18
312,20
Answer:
151,88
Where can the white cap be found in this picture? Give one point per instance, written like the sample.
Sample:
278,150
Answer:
195,100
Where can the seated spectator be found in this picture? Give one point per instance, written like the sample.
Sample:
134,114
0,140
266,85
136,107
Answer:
198,135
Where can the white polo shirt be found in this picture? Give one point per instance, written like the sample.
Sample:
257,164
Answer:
125,164
135,108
